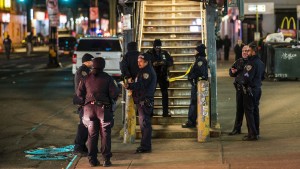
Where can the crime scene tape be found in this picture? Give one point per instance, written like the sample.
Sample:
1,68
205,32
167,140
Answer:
182,76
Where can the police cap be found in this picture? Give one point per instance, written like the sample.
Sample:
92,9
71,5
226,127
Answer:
157,42
145,56
200,48
87,57
131,46
99,63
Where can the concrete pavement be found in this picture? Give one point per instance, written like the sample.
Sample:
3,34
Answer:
278,147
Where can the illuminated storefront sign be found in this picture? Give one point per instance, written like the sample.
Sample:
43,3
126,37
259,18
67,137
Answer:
261,8
5,17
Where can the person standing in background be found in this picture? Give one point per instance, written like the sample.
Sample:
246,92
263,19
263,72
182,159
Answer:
227,45
238,49
7,46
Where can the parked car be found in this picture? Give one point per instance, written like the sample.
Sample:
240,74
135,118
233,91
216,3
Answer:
66,45
110,48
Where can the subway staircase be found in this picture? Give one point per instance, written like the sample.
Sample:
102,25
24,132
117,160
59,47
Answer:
180,24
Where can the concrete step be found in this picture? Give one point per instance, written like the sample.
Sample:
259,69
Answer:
174,120
169,131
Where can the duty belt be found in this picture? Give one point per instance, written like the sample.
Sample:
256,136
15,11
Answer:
101,104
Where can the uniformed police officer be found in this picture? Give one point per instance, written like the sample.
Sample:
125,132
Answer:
129,66
253,76
82,132
161,61
143,95
98,91
236,71
198,71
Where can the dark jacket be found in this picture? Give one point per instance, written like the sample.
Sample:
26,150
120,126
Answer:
199,69
164,61
129,66
238,51
254,72
239,65
80,74
98,87
145,84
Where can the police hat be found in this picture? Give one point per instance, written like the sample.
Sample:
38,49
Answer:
87,57
99,63
157,42
145,56
200,48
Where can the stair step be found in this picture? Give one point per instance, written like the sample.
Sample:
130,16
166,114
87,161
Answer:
177,11
174,120
172,106
169,131
176,4
196,32
174,97
171,47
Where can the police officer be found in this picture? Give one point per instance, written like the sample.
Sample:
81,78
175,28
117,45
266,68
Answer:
129,66
236,71
82,132
143,95
253,76
198,71
161,61
98,92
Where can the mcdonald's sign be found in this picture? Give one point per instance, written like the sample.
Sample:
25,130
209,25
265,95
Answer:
288,32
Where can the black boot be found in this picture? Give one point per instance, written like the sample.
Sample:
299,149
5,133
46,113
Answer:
107,163
234,132
94,162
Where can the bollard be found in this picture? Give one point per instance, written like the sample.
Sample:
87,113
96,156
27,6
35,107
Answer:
130,119
203,118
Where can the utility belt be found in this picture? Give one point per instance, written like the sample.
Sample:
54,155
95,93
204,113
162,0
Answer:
238,86
247,90
147,103
101,104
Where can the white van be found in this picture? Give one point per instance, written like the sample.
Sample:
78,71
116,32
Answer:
110,48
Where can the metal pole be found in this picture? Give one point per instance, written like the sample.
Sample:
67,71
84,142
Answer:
211,49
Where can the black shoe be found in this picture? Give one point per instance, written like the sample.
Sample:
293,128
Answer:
107,163
94,163
142,150
250,138
188,125
80,152
234,132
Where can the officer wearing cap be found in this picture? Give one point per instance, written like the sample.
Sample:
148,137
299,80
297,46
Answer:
161,61
129,66
198,71
82,132
143,95
98,91
236,71
253,75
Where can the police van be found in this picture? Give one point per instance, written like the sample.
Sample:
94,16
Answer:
110,48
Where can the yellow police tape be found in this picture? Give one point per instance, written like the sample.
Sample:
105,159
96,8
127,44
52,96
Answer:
182,76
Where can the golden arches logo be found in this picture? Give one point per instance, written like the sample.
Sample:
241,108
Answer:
288,21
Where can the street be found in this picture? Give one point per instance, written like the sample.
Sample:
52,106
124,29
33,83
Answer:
36,110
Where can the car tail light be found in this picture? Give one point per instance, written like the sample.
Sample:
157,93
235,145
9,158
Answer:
74,58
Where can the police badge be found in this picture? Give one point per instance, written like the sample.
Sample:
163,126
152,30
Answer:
145,75
83,73
248,67
200,63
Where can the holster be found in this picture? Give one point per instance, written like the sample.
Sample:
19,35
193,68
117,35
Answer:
101,104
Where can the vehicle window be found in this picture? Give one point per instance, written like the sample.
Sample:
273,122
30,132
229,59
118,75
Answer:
70,41
98,45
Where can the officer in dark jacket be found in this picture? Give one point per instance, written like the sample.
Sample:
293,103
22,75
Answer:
129,66
82,132
143,95
253,76
98,91
198,71
236,71
161,61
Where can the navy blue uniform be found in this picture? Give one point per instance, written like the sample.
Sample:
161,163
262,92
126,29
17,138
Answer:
253,76
98,92
161,62
82,132
238,82
199,70
143,95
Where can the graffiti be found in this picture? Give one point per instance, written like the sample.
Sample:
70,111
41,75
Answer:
288,56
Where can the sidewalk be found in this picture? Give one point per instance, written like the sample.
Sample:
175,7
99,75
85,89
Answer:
278,147
21,52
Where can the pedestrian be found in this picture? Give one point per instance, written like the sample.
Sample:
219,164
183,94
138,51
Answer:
238,49
253,76
219,46
143,95
161,61
129,66
29,47
236,71
82,131
199,71
99,92
227,45
7,46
